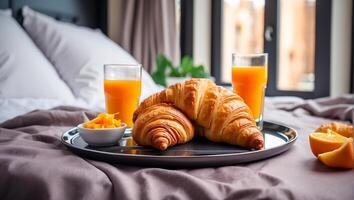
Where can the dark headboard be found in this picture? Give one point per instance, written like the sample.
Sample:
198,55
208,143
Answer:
90,13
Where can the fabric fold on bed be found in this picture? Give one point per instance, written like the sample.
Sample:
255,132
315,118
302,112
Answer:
341,108
35,165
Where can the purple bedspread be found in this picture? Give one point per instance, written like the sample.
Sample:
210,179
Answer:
35,165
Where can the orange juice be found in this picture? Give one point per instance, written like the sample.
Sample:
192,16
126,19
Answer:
122,96
249,83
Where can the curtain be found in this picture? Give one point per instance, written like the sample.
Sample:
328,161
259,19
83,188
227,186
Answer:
148,28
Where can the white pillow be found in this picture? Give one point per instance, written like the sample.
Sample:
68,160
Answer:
79,54
6,12
24,70
20,106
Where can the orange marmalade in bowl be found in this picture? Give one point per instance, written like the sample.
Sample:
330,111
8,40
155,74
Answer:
103,120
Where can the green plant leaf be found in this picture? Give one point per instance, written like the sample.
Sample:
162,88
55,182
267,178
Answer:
164,68
176,72
162,63
186,65
198,72
159,78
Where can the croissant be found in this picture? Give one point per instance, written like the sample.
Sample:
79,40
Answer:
161,126
220,115
341,128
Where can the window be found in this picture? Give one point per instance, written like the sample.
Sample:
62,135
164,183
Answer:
295,34
296,45
242,31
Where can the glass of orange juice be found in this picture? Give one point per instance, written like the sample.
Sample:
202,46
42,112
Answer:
249,80
122,88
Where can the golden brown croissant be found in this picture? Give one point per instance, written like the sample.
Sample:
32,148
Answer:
161,126
221,115
341,128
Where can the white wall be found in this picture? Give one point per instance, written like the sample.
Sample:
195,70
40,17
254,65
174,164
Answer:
341,47
202,32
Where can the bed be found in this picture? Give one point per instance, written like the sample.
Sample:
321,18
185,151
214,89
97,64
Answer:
47,34
34,164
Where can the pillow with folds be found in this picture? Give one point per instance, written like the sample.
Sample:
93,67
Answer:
24,70
79,54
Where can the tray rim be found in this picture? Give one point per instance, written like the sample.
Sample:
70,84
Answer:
287,144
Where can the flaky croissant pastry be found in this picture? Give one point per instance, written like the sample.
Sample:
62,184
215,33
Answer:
220,115
161,126
341,128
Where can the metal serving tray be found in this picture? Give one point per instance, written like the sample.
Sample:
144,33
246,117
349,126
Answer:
197,153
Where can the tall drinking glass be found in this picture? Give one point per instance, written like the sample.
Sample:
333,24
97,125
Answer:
249,80
122,88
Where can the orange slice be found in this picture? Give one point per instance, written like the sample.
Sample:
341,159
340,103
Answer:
325,142
341,158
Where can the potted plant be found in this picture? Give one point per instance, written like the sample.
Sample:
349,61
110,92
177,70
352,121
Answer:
167,74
